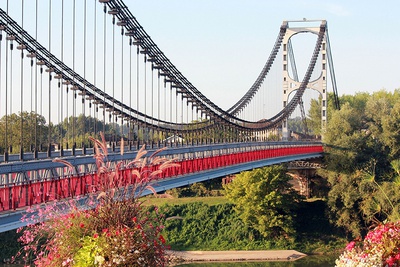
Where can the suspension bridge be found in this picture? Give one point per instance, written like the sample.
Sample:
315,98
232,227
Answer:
73,69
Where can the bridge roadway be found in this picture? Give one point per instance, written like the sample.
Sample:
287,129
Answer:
36,182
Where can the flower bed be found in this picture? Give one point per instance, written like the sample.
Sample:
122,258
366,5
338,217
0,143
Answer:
381,247
108,228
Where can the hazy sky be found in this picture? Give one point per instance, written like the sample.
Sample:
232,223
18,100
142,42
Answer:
221,46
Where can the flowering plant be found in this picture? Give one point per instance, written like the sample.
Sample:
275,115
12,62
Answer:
108,228
381,247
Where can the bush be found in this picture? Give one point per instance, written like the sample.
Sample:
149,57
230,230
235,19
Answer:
112,229
211,187
198,226
9,245
266,201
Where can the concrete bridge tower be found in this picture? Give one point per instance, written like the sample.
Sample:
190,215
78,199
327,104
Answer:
291,81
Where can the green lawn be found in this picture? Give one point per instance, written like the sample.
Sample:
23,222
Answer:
178,201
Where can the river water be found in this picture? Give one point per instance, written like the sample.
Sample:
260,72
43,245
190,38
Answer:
309,261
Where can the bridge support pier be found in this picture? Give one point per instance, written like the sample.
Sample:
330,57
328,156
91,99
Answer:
302,173
302,177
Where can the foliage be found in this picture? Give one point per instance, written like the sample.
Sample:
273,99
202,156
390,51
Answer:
362,145
201,226
296,125
187,222
361,199
198,226
365,128
312,219
110,229
34,127
315,234
203,189
265,201
211,201
217,133
314,116
381,247
391,131
348,145
35,131
344,199
8,245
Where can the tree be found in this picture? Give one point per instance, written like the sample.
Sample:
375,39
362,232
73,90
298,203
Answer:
362,140
314,116
363,198
265,201
391,132
296,125
78,129
349,144
344,201
34,131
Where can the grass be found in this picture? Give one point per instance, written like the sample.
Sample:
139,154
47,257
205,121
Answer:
151,200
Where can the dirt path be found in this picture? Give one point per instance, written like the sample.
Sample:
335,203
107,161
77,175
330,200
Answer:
243,255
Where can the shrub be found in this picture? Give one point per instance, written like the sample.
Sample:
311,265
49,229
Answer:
110,228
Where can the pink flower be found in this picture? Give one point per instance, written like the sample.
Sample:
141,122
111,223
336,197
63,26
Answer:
81,225
96,235
161,238
391,261
350,246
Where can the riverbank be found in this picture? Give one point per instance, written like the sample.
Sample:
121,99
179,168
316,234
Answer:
234,255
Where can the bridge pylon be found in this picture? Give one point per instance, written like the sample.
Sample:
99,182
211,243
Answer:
291,81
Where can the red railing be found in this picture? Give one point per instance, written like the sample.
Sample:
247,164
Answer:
13,197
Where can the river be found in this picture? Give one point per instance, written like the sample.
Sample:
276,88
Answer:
309,261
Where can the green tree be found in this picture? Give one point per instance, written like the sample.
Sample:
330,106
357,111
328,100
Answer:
296,125
265,201
357,101
34,131
366,128
314,116
348,143
79,129
391,132
361,141
363,198
344,200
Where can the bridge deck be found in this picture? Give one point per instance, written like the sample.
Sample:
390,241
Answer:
14,199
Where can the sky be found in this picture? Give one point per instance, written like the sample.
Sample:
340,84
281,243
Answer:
221,46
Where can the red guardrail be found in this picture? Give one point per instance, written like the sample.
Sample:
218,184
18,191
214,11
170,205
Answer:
19,196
